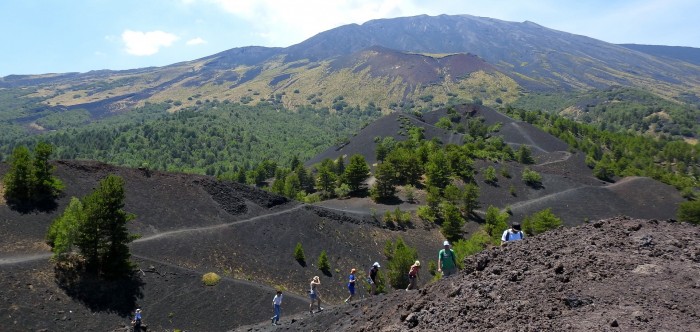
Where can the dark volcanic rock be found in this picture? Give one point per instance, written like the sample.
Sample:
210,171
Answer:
589,278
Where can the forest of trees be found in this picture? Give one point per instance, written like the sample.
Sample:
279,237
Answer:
213,138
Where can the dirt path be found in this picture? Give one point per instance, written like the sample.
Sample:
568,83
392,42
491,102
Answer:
33,257
23,258
213,227
527,137
566,157
543,198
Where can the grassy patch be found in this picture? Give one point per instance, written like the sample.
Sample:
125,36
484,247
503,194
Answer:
211,279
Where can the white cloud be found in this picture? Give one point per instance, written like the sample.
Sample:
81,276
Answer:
196,41
146,43
284,22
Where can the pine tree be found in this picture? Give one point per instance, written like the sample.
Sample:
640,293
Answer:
438,170
325,177
470,198
524,155
323,263
339,166
356,173
46,186
452,221
299,254
104,238
64,230
385,184
18,180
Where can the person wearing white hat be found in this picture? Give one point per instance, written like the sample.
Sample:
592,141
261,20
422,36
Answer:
313,294
447,263
373,277
137,321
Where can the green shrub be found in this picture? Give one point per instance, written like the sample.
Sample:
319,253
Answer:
541,222
689,211
342,191
211,279
426,213
410,192
490,176
475,244
532,178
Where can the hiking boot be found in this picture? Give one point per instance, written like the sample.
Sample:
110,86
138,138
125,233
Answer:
320,309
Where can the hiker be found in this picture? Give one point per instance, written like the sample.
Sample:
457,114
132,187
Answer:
277,306
313,294
413,275
137,321
447,263
351,285
512,234
373,277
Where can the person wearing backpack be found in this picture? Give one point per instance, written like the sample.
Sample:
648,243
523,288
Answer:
372,279
512,234
447,263
413,275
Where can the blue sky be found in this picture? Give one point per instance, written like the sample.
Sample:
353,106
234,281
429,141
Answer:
57,36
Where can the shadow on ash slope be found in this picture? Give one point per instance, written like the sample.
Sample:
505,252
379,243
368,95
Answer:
618,274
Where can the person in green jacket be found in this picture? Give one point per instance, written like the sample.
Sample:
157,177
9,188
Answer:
447,263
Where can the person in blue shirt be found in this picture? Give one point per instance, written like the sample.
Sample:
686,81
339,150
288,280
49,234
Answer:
137,321
351,285
512,234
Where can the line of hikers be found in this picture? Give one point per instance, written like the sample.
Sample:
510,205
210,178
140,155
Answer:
447,265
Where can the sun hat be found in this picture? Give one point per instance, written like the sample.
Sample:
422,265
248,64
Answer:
138,310
376,264
417,263
353,271
446,243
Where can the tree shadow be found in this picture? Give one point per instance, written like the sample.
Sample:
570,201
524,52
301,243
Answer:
47,205
362,193
327,273
301,262
394,200
117,295
536,185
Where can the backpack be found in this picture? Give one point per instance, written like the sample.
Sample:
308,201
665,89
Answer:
452,255
508,235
